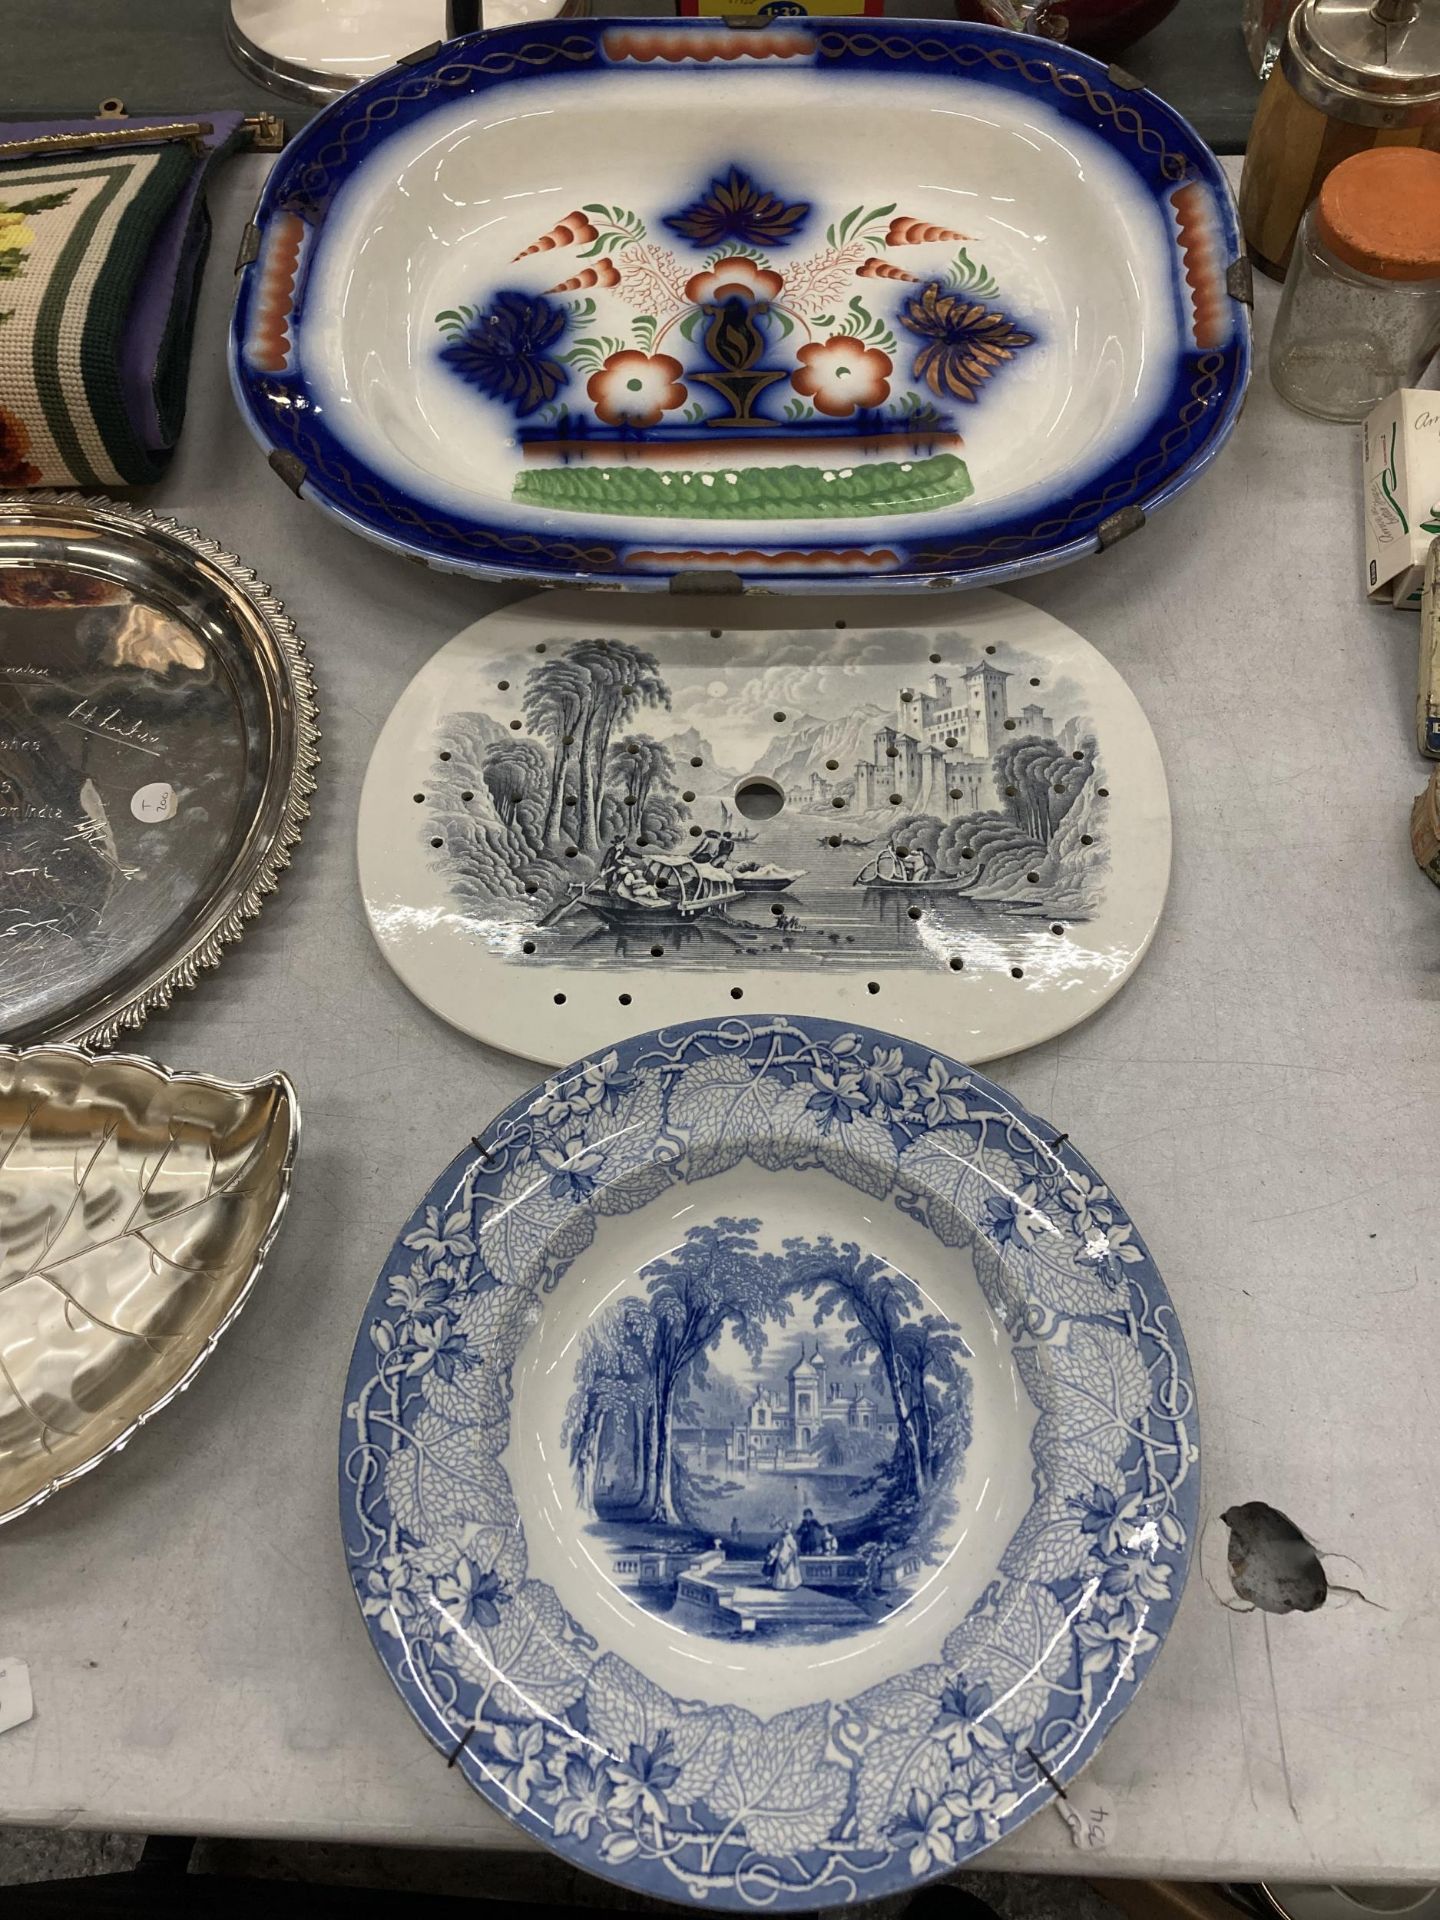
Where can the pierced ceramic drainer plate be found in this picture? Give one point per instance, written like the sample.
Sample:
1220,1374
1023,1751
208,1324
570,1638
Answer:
480,325
769,1462
580,821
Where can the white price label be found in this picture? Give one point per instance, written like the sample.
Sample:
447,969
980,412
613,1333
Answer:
17,1702
155,802
1089,1812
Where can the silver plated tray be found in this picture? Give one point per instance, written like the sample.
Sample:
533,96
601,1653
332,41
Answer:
157,753
136,1208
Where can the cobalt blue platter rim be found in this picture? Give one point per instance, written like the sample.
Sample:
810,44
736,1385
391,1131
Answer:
1194,422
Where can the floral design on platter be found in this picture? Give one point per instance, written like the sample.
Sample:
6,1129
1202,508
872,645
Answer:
834,1799
590,812
506,352
967,343
736,209
792,394
841,374
633,389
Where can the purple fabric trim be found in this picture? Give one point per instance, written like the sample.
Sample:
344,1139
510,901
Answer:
174,258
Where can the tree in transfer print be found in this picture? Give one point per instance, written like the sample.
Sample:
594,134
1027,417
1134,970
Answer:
576,704
555,699
918,1355
614,1399
515,773
717,1281
641,797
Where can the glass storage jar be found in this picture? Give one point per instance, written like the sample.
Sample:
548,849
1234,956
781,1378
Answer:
1360,315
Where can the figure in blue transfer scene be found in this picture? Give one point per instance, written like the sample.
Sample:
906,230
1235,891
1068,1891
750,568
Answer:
811,1537
782,1563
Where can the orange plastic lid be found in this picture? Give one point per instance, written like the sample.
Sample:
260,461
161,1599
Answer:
1379,212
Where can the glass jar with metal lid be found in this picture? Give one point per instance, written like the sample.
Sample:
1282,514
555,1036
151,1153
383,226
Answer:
1354,74
1361,310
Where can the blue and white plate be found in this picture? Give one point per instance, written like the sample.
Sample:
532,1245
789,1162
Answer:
769,1463
905,304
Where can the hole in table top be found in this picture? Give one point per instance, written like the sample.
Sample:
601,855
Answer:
624,999
872,986
657,953
559,999
956,964
737,993
528,947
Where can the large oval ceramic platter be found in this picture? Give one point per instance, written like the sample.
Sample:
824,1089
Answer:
910,302
580,821
769,1462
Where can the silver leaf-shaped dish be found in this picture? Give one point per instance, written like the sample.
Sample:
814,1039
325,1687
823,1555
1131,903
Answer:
136,1209
158,746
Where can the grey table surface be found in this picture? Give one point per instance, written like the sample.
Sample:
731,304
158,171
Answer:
1262,1095
159,56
